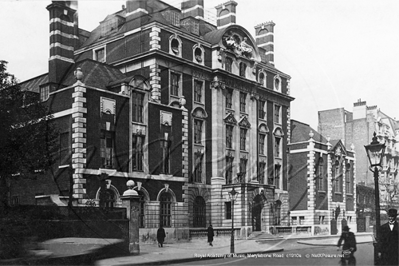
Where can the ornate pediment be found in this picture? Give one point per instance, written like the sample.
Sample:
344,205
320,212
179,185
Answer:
244,122
199,113
229,119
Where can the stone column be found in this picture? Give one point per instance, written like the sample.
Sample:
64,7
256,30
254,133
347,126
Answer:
130,200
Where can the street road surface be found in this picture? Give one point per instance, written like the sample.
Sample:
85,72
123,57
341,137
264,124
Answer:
299,255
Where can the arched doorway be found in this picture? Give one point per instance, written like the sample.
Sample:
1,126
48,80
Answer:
199,217
257,206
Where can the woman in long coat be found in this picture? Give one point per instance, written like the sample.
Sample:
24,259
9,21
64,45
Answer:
210,235
160,236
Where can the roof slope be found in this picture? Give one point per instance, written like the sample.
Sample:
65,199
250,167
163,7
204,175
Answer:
300,132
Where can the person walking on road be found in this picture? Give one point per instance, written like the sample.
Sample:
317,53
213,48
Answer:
160,236
389,240
348,247
210,235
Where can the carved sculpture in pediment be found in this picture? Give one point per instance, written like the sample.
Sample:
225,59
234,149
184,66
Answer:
239,45
244,122
229,119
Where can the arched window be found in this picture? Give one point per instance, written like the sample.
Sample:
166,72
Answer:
277,83
199,212
165,210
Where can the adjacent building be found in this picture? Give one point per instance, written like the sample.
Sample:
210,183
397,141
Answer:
357,128
322,182
187,109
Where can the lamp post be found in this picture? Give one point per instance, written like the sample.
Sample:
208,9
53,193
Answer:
233,195
375,152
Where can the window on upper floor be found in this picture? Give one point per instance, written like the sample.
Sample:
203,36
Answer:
165,148
320,184
228,64
277,175
175,84
243,138
137,106
262,79
243,169
243,69
107,148
198,91
277,83
262,139
277,147
175,45
198,131
198,54
44,93
138,152
277,114
198,167
229,136
229,98
229,169
243,102
261,109
261,172
99,55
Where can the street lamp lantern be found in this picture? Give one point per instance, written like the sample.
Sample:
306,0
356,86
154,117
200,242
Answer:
233,196
375,152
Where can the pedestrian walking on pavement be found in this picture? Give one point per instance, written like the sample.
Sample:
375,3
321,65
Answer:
161,236
389,240
210,235
348,247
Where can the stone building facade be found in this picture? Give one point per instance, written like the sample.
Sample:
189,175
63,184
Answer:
322,182
357,128
185,108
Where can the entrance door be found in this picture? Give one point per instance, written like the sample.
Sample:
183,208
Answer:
256,213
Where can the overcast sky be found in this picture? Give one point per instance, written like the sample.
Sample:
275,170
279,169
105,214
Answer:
336,51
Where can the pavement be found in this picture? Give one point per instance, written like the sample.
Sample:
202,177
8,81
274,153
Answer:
85,251
151,254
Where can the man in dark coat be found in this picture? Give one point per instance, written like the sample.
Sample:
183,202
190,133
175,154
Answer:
160,236
348,247
389,240
210,235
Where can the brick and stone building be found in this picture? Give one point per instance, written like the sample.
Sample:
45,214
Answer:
357,128
321,182
185,108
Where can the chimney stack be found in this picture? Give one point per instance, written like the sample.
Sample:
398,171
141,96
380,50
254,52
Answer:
193,8
64,39
226,14
136,14
264,36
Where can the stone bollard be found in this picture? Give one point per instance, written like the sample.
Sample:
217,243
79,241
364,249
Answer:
130,200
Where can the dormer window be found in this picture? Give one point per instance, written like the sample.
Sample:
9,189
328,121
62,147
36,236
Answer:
44,93
175,45
99,55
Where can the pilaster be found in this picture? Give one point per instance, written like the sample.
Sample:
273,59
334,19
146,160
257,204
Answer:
79,150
